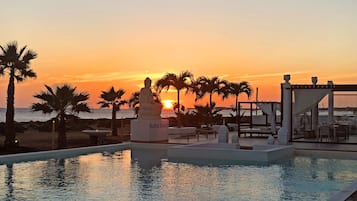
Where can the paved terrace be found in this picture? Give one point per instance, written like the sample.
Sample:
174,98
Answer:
248,141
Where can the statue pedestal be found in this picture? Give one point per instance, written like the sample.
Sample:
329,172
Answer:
149,130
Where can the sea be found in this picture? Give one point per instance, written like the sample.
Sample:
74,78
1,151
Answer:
27,115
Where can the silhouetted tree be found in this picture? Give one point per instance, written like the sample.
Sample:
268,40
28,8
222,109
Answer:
112,98
64,101
236,89
204,85
15,62
182,81
207,114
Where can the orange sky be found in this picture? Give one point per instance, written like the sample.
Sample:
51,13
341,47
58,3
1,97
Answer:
95,45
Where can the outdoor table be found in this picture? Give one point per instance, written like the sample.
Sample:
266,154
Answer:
96,137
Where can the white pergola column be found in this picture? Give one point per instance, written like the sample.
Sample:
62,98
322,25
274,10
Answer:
314,110
285,132
330,104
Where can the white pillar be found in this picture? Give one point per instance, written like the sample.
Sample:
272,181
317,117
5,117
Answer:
315,110
286,124
330,104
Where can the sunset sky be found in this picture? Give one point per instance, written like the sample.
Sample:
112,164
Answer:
96,44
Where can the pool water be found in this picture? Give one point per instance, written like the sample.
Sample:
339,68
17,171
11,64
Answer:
141,174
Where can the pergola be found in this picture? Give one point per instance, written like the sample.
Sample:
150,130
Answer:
297,99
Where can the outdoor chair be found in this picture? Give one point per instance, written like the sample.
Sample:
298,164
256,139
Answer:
324,132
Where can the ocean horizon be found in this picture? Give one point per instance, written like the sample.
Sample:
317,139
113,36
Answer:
27,115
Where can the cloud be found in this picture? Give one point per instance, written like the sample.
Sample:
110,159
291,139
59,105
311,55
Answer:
109,76
343,78
264,75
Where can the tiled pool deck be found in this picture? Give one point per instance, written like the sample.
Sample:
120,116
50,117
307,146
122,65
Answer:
247,141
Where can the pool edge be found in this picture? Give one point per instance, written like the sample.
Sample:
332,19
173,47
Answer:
345,193
60,153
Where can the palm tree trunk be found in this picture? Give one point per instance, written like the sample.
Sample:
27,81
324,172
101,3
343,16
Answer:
178,101
10,112
237,107
114,121
210,116
62,138
179,120
237,117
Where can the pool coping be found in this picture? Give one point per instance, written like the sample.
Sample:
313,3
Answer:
345,193
349,155
59,153
261,153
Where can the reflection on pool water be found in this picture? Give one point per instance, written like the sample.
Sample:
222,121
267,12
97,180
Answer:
140,174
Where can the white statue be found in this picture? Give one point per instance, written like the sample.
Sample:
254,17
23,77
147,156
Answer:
149,108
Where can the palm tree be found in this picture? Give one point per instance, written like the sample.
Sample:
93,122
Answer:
236,89
66,102
204,85
182,81
16,62
113,98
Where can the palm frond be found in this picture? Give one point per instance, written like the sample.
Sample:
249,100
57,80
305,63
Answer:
29,55
79,98
134,99
50,90
104,104
21,51
44,107
81,107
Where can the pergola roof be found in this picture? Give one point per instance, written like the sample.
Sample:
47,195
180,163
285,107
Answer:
345,87
335,87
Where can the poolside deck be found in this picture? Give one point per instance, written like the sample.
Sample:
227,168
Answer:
248,141
42,141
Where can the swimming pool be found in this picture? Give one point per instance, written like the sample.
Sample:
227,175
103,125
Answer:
146,174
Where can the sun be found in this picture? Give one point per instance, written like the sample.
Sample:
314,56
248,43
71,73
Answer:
168,104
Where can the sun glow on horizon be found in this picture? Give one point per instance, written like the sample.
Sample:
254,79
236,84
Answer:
168,104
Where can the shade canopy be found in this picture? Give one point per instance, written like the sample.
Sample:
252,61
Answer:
305,99
270,109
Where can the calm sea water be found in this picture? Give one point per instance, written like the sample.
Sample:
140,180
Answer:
26,115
